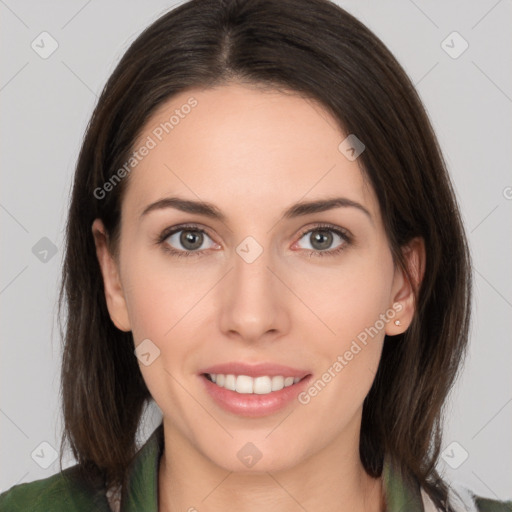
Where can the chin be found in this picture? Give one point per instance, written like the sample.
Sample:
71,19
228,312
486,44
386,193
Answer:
246,454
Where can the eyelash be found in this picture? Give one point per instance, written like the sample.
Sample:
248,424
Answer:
343,234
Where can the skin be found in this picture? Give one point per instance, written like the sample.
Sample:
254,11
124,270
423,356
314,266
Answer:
253,153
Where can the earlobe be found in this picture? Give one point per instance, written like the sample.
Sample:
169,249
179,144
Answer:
405,287
114,295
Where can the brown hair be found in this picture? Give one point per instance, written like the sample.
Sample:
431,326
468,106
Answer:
317,49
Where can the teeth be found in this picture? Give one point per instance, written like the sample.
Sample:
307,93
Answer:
244,384
230,382
248,385
277,383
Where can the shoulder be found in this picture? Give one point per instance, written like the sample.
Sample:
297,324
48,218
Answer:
464,499
489,505
62,492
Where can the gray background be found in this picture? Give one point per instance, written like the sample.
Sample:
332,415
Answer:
46,104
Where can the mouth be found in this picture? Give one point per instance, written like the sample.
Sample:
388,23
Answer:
253,390
245,384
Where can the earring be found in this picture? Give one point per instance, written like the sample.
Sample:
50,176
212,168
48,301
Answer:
397,322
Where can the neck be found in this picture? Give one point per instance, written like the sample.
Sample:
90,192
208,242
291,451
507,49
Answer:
333,480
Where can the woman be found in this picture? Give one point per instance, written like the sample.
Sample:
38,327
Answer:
264,240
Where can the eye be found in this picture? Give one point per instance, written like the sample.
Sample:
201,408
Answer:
185,240
321,239
190,240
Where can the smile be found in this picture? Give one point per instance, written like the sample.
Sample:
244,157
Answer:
245,384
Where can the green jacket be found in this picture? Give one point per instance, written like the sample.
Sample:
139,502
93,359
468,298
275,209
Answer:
64,493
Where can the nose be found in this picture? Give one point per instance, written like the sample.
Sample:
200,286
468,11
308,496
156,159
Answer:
253,302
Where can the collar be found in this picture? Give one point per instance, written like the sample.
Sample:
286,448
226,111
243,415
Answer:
141,493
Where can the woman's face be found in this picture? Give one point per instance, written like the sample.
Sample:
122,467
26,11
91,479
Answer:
314,290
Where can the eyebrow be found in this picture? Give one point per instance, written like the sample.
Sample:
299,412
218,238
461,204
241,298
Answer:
297,210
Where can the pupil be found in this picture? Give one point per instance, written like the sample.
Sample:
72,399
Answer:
320,240
324,239
188,237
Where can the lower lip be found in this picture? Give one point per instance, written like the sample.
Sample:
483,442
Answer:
254,405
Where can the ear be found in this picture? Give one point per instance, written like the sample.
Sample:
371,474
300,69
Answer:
114,296
404,300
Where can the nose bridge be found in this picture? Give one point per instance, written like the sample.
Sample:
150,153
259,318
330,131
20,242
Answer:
252,302
251,279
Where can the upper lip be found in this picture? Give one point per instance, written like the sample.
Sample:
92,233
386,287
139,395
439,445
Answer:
255,370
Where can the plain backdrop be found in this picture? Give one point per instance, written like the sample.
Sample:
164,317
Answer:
46,104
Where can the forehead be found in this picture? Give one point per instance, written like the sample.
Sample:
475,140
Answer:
238,144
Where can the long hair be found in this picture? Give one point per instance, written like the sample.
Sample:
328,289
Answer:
317,49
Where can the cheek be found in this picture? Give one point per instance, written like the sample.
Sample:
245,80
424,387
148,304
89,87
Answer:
159,294
164,302
349,297
161,304
353,305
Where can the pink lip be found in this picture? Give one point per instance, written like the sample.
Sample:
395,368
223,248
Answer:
254,405
255,370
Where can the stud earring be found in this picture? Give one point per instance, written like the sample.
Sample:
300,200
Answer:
397,322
